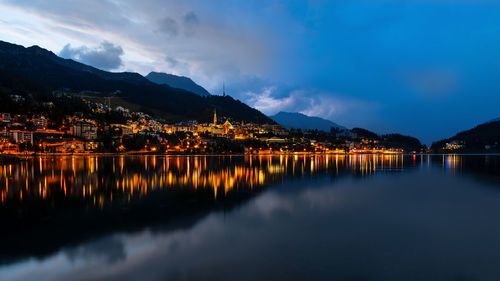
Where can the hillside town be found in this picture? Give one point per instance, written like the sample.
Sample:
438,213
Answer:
101,127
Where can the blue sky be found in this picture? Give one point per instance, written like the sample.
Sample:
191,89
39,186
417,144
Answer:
419,67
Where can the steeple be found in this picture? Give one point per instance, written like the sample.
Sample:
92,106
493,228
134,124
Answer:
215,116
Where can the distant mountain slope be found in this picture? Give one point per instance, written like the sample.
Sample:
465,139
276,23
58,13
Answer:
364,133
180,82
407,143
304,122
50,72
482,138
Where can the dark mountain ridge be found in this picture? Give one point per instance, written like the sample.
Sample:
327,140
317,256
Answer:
175,81
482,138
36,58
301,121
50,72
408,143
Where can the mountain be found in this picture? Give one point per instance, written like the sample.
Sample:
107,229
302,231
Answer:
364,133
408,143
482,138
180,82
39,70
300,121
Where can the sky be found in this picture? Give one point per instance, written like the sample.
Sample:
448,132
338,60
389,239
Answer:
426,68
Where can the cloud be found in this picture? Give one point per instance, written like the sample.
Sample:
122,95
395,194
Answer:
106,56
146,30
177,67
271,100
171,61
169,27
190,23
265,102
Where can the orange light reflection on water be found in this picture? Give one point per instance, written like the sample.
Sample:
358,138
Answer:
102,179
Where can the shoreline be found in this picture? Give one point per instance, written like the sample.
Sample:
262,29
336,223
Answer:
4,157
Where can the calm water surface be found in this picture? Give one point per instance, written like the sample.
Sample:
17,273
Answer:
251,218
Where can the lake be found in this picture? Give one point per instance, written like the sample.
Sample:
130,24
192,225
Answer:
357,217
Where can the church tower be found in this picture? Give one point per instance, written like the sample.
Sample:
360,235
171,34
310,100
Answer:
215,116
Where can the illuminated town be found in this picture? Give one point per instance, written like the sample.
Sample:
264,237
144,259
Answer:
101,127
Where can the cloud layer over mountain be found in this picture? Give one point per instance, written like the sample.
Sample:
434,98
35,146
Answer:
106,56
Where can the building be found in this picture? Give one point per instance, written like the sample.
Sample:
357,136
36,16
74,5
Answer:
275,140
227,127
5,117
40,122
69,146
18,136
48,134
217,131
84,129
203,128
275,129
124,130
455,145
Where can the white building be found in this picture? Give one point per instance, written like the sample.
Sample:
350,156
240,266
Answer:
21,136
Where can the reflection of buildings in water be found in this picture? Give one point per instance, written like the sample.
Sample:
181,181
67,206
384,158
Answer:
97,180
452,162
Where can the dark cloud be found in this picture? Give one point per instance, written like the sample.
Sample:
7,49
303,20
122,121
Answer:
190,22
106,56
171,61
169,27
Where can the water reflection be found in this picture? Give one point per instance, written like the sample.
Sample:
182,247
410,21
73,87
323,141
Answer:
98,180
452,162
361,217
